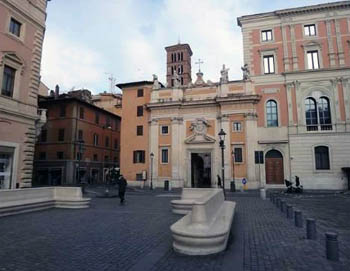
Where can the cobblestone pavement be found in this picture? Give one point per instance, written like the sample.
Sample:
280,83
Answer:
136,236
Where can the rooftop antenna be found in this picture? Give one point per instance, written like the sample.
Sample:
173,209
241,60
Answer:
112,81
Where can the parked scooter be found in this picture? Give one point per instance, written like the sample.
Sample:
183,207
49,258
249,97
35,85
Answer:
298,188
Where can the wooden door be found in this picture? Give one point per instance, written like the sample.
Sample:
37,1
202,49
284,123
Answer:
274,168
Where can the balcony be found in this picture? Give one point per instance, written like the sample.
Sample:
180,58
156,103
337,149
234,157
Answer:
321,127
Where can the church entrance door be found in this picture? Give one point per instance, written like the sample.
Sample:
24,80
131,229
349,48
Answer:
200,170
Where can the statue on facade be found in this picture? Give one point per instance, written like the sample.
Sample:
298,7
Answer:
176,79
246,72
156,84
224,75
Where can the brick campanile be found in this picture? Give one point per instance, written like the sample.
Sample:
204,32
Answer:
179,59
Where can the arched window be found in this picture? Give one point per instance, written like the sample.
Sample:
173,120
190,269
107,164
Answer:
322,158
271,114
324,113
311,114
318,114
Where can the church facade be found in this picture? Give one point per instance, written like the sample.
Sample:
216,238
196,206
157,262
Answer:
289,115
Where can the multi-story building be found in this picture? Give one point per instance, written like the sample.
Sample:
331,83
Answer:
79,141
299,63
134,162
109,101
289,116
22,28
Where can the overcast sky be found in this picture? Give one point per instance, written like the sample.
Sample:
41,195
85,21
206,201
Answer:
86,40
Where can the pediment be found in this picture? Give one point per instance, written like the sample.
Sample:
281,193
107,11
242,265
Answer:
199,139
13,57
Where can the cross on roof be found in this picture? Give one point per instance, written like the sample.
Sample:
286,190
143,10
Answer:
199,62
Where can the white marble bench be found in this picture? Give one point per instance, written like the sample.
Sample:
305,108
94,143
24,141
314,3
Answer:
188,196
204,230
16,201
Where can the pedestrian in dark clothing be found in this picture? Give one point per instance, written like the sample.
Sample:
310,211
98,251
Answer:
122,184
219,180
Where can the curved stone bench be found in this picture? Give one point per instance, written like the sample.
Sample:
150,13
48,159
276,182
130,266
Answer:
16,201
188,196
205,230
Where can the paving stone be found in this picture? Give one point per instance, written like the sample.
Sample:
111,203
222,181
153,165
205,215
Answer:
137,236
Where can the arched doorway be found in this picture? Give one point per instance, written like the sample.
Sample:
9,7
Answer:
274,167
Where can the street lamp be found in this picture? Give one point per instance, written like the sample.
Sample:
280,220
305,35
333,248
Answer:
152,156
222,135
233,172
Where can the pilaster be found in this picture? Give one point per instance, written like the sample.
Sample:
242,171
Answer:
339,44
251,133
334,84
294,49
290,86
153,143
330,44
285,49
225,124
176,150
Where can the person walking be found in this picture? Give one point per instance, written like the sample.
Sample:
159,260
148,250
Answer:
122,184
219,180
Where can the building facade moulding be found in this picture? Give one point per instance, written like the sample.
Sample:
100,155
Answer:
199,127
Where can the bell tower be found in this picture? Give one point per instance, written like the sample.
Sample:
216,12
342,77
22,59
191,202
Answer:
179,60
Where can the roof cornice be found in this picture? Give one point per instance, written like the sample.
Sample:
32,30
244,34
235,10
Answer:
294,11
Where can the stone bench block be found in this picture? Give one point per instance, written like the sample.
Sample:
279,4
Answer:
16,201
184,205
204,230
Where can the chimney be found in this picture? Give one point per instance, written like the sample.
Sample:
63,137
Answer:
57,91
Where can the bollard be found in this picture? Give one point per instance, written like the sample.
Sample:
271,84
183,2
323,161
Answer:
298,218
283,203
284,207
263,193
278,201
289,211
332,251
311,229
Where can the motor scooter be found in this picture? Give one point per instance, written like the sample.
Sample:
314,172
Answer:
298,188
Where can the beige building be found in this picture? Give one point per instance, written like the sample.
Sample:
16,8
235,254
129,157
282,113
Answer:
299,64
289,116
22,28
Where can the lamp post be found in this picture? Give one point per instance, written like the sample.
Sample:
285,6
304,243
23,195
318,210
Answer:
222,135
81,150
152,156
108,180
233,172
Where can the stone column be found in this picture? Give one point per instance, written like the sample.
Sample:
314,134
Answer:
176,152
153,147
